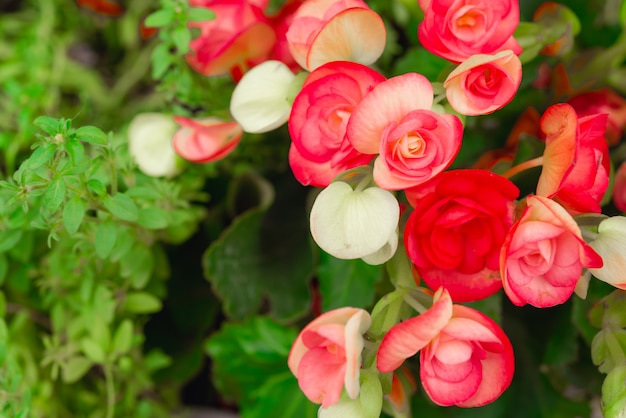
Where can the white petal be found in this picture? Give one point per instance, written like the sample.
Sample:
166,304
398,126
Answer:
385,253
259,102
150,144
352,224
611,246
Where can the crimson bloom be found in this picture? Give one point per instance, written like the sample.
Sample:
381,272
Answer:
465,358
396,121
543,255
205,140
319,119
458,29
455,233
576,161
606,101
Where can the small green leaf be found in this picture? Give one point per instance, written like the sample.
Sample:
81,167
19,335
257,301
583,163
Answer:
75,368
95,186
92,135
141,303
199,14
73,214
75,150
181,37
105,237
613,394
47,124
41,156
92,350
9,238
123,207
159,18
137,265
123,338
54,195
161,60
153,218
4,267
156,360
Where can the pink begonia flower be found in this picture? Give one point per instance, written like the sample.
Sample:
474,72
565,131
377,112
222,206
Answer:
260,101
205,140
351,224
326,356
466,359
150,144
610,244
484,83
281,21
414,143
458,29
335,30
619,188
543,255
319,117
606,101
239,38
455,233
576,163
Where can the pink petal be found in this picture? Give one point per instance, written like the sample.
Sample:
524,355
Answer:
321,377
447,393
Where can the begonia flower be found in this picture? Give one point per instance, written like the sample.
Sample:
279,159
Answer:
395,120
543,255
455,233
281,22
335,30
610,244
619,188
260,101
326,356
576,164
458,29
349,224
465,358
319,118
150,144
606,101
484,83
238,38
205,140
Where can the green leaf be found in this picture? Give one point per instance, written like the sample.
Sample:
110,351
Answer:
181,37
279,396
92,135
4,267
161,60
122,207
199,14
248,355
75,368
96,186
153,218
75,150
9,238
346,282
54,195
613,393
105,237
41,156
92,350
123,337
73,214
137,265
273,263
141,303
47,124
159,18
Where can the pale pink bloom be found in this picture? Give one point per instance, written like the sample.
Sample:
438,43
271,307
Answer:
205,140
396,121
239,38
326,356
484,83
466,359
458,29
576,163
334,30
611,245
543,255
319,117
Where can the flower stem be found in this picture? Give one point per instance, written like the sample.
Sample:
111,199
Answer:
535,162
110,388
413,303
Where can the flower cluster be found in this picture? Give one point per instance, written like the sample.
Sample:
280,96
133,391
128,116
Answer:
382,150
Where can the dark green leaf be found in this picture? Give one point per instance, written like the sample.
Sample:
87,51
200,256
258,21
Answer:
92,135
54,195
346,282
47,124
122,207
159,18
279,396
199,14
73,214
153,218
141,303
